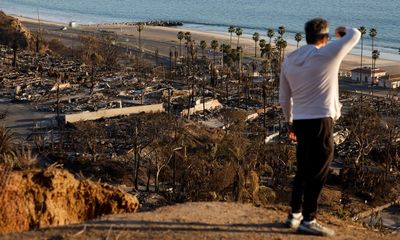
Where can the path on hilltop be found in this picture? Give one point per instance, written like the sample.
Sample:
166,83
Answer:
211,220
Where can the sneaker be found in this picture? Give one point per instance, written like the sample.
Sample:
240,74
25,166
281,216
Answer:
314,228
293,220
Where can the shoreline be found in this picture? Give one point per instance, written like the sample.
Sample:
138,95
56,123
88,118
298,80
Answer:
166,36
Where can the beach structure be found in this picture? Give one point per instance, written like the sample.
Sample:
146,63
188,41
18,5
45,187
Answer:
390,81
73,24
367,74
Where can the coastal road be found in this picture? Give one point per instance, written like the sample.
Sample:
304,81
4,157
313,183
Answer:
377,91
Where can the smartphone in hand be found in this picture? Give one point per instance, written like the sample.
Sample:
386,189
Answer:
340,32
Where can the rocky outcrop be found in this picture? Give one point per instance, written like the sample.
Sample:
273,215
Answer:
53,197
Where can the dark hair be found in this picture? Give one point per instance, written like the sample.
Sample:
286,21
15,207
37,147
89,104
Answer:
313,29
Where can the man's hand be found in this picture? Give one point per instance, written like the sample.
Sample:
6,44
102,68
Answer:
290,132
340,32
292,135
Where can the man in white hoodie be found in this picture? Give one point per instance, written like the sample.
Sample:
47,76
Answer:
309,96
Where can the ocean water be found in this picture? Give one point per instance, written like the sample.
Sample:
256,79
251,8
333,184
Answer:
217,15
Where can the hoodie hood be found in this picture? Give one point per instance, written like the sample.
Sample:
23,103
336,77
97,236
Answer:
300,56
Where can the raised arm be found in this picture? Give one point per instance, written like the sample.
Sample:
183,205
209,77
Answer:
341,47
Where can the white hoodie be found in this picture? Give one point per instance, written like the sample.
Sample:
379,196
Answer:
309,85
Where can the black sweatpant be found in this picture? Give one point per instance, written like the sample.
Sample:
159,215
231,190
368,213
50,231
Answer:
314,156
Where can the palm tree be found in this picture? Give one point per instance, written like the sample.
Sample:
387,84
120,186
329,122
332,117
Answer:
180,36
363,31
224,48
231,30
203,45
270,34
139,28
372,34
214,46
192,48
375,56
298,37
238,32
281,44
262,44
188,39
268,50
281,30
256,38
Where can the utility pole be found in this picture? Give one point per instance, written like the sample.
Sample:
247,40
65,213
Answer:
222,65
136,165
176,58
169,99
156,56
240,75
170,62
38,33
264,110
204,100
58,102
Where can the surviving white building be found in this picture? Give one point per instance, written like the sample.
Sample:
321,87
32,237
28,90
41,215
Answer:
367,74
390,81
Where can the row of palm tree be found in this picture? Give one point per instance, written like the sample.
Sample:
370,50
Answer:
234,55
202,44
375,53
238,31
187,36
270,33
281,44
266,49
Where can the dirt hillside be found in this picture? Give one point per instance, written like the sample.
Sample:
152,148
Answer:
52,197
211,220
11,28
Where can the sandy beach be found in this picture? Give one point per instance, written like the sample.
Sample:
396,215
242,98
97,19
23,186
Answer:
164,39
